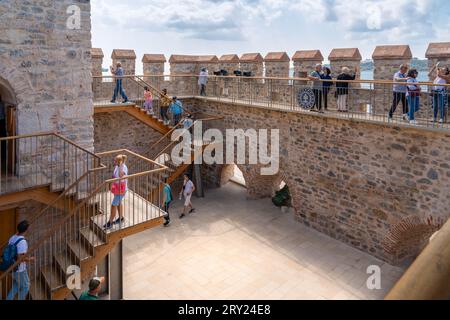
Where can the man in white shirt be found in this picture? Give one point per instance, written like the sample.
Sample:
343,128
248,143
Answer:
186,191
20,281
202,80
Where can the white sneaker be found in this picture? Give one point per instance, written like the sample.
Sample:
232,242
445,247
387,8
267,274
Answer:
413,122
405,117
441,121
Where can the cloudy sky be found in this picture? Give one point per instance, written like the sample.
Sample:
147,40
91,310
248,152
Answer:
239,26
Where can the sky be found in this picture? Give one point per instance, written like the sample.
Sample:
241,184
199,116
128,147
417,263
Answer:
240,26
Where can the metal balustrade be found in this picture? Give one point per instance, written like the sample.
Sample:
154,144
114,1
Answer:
67,233
369,100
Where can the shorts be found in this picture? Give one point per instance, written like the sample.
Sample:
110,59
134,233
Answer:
117,200
187,200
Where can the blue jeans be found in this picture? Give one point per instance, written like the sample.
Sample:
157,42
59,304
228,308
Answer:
20,285
414,106
119,89
439,104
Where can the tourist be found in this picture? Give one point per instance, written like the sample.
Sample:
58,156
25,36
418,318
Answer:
20,280
202,80
167,200
118,74
176,108
95,285
439,93
148,101
164,108
187,122
399,92
119,189
186,191
326,85
316,76
413,94
342,90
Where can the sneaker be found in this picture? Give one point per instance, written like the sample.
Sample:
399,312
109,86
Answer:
389,118
413,122
119,221
192,210
441,121
113,101
182,216
405,117
125,101
166,223
108,226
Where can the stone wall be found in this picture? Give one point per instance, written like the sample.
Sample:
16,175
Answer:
119,130
127,58
380,188
437,53
48,67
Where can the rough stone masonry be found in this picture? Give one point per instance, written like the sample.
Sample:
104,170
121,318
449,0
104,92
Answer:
378,187
48,67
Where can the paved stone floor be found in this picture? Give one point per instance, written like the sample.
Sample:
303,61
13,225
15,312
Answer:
233,248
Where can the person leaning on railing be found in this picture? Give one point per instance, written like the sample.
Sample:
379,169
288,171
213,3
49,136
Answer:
439,93
165,103
399,92
413,94
342,88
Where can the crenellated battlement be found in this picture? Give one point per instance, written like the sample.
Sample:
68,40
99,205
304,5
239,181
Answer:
387,59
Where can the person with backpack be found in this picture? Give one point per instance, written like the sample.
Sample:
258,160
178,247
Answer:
176,108
16,250
167,199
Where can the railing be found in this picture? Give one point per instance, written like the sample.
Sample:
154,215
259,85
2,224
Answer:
41,159
363,99
428,278
134,87
67,232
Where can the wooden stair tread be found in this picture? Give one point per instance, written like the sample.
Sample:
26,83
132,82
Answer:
38,291
53,277
79,250
94,238
63,261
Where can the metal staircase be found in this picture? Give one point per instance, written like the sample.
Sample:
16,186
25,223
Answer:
69,232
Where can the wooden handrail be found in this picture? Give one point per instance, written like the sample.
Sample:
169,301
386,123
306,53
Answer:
428,278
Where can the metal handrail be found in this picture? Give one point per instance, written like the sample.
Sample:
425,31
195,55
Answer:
425,83
104,183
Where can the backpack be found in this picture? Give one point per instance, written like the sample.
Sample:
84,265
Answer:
9,256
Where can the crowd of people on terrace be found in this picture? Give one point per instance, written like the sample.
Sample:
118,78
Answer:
406,89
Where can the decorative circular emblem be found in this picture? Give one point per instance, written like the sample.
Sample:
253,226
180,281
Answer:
305,98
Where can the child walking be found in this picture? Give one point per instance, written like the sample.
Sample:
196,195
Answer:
148,103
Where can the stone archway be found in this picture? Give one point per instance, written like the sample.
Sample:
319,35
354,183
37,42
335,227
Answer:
408,237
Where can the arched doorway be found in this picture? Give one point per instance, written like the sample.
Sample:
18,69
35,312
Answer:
231,172
8,123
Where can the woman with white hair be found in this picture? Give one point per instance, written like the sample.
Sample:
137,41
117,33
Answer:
342,88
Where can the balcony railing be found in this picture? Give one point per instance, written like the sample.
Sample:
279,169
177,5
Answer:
363,99
67,232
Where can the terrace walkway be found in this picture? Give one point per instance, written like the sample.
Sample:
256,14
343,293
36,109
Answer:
232,248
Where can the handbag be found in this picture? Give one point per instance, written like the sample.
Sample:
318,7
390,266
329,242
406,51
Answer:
119,187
